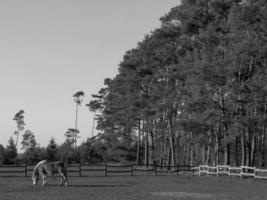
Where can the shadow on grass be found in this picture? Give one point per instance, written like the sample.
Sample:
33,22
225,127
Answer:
85,185
94,186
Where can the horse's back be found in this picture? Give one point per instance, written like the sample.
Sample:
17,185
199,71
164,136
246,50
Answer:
55,167
50,168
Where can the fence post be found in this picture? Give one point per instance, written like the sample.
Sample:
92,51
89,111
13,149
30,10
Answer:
131,168
177,170
80,170
155,170
25,170
105,167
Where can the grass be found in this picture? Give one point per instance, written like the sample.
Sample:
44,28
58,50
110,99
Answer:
136,187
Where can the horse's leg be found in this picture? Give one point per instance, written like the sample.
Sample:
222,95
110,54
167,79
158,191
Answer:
61,176
64,179
44,178
61,180
35,179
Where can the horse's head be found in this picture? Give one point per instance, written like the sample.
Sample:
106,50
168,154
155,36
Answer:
35,177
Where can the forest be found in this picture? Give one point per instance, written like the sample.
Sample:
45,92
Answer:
193,91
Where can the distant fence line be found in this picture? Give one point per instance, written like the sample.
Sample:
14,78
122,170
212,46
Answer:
226,170
81,170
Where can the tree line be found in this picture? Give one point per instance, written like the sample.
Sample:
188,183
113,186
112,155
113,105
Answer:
83,153
193,91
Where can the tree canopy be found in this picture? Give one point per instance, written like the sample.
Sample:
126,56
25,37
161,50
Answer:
194,90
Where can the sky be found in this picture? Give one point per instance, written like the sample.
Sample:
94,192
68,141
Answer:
50,49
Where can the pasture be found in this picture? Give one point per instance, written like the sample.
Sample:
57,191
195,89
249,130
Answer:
136,187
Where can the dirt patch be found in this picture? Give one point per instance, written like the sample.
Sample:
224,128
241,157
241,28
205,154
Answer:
183,195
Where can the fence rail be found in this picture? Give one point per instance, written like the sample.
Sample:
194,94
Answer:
100,170
226,170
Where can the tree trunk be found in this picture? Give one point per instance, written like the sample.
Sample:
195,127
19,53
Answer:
76,125
264,128
172,151
152,153
226,146
162,144
247,146
169,156
165,150
263,147
252,152
203,154
208,148
243,148
226,154
178,147
138,143
237,152
146,149
191,152
171,140
186,152
208,155
216,148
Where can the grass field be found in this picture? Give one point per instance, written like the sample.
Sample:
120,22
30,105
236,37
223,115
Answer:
136,187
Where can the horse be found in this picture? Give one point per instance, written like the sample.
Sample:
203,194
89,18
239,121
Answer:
45,168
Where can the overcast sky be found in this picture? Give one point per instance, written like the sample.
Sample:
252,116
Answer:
50,49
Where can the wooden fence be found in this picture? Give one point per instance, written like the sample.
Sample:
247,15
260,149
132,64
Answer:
226,170
80,170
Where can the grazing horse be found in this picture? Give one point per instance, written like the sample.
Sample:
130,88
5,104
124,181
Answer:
44,168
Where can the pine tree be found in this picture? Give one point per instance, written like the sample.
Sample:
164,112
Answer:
11,152
51,150
28,140
2,154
